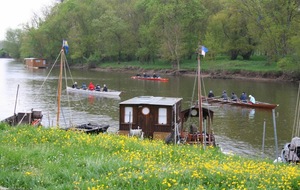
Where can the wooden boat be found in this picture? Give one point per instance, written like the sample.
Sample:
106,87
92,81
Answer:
108,94
149,116
262,105
201,132
90,128
35,63
159,118
32,117
163,118
159,79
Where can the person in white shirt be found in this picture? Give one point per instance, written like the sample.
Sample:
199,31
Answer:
252,99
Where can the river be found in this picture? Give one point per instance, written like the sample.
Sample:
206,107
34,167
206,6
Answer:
237,130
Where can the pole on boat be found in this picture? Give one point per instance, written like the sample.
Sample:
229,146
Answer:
16,99
263,140
175,126
199,94
59,86
275,135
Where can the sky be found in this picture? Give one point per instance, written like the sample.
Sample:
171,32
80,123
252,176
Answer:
14,13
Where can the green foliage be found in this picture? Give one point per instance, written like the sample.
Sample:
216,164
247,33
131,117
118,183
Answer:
3,53
51,158
12,44
93,60
289,64
151,30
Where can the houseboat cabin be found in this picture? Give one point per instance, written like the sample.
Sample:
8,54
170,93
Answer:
162,117
35,63
154,117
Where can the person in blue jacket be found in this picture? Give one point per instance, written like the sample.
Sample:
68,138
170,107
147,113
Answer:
243,97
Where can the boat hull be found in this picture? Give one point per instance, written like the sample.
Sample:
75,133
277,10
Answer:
33,117
261,105
90,128
159,79
109,94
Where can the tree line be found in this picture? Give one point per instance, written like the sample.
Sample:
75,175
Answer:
168,30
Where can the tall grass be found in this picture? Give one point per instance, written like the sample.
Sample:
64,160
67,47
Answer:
40,158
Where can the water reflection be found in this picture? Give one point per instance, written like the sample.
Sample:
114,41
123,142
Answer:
251,113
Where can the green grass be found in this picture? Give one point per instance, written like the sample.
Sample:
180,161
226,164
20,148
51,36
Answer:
256,64
40,158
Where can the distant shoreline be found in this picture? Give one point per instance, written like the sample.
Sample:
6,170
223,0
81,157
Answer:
217,75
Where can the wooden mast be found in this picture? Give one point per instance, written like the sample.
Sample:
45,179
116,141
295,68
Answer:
199,94
62,58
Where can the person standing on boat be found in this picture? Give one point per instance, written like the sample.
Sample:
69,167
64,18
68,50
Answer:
98,87
224,95
74,85
211,94
252,99
243,97
234,97
105,88
155,75
91,86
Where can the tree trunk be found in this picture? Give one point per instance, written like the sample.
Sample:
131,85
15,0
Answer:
234,54
247,55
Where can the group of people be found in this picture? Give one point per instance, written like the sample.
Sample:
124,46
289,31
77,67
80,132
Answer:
145,75
234,97
91,87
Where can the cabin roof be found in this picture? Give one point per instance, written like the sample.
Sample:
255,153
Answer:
151,100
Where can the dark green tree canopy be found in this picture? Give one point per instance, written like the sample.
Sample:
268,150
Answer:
168,30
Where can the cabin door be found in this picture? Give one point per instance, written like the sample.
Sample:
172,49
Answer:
144,121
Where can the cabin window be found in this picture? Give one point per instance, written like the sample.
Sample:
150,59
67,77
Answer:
128,115
162,115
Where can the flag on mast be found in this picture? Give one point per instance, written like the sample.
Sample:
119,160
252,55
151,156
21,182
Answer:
66,46
204,50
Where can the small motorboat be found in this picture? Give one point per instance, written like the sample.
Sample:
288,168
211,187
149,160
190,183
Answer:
90,128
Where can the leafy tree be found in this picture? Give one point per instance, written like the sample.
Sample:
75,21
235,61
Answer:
275,22
175,23
13,42
234,25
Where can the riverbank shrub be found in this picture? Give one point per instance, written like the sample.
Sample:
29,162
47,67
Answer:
50,158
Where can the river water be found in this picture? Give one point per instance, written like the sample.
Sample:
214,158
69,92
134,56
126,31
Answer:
237,130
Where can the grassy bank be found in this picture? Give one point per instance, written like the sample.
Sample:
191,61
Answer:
257,64
39,158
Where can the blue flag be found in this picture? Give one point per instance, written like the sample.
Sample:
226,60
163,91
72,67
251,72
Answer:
66,46
204,50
